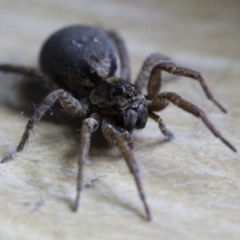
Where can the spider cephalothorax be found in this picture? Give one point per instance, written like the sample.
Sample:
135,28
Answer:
121,100
91,72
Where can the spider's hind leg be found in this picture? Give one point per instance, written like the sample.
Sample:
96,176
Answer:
33,73
123,55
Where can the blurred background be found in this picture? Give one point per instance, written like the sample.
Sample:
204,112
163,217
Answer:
192,184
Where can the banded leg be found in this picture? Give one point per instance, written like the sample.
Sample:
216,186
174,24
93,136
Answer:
88,127
153,83
123,53
189,107
170,67
109,129
36,74
111,134
161,125
69,103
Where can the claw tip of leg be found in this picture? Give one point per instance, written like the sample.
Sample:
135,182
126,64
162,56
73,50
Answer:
6,159
234,149
149,218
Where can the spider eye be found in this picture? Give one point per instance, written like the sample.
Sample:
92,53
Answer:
129,95
135,93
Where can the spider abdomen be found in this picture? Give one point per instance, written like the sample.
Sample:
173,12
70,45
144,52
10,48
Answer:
79,57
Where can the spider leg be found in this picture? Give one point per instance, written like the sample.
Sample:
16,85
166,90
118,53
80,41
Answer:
89,126
36,74
124,133
69,103
161,125
146,79
111,134
165,64
188,107
123,53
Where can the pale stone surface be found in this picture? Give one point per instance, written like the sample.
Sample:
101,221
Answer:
192,184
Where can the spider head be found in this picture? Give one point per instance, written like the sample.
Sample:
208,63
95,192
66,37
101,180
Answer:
120,99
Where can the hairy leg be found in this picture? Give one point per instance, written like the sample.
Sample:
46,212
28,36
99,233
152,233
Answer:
123,53
165,64
36,74
161,125
115,136
88,127
145,79
188,107
69,103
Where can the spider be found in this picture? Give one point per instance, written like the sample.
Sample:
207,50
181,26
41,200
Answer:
87,70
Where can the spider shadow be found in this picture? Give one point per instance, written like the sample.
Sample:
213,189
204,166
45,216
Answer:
108,196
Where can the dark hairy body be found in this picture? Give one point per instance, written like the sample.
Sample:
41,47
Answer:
88,72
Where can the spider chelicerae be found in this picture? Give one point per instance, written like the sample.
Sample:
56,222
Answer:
87,70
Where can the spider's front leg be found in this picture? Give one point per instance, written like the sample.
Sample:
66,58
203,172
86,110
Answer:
188,107
89,126
33,73
113,135
70,105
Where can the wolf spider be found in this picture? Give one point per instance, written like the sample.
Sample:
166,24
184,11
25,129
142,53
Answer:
79,64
